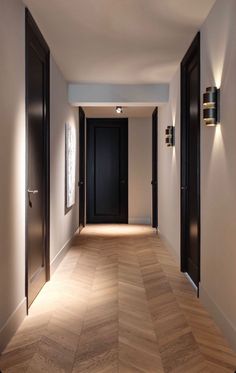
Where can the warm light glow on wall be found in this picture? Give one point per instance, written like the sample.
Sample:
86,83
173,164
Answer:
218,140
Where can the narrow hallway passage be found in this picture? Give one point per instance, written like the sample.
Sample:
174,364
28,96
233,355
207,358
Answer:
118,303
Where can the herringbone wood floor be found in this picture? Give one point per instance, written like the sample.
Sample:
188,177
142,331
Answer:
118,303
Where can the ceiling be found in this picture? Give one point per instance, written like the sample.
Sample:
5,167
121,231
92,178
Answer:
119,41
110,112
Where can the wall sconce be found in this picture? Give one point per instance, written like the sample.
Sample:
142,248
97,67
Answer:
170,136
211,106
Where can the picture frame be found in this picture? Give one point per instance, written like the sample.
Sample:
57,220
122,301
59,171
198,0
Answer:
70,164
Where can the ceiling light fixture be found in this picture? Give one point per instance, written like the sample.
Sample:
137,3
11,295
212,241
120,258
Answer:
119,109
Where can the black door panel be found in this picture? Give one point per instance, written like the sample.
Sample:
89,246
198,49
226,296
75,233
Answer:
37,111
107,171
154,170
81,168
190,162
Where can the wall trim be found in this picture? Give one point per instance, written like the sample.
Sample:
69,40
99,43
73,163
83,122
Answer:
12,324
61,254
168,246
145,221
218,315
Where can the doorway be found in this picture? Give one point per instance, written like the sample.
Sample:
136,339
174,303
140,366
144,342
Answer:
81,183
190,162
37,164
107,170
154,169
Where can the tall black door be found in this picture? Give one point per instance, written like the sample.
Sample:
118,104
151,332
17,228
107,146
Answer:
107,170
190,162
154,169
37,89
81,167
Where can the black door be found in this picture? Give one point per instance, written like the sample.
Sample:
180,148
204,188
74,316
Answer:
37,194
107,170
81,167
190,161
154,170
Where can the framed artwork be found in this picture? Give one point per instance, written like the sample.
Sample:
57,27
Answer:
70,162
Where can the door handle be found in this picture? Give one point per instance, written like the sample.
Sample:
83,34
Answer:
80,183
32,191
35,191
122,181
184,188
154,182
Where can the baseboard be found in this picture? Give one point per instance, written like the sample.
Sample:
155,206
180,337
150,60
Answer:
12,324
142,221
220,318
169,246
60,255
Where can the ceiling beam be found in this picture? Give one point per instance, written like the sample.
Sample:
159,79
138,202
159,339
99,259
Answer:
118,94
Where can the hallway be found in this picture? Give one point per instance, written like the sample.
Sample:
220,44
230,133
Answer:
117,303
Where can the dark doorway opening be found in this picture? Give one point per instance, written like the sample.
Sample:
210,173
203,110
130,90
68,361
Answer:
37,164
81,183
107,170
154,169
190,162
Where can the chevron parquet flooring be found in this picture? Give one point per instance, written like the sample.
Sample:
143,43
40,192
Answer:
118,303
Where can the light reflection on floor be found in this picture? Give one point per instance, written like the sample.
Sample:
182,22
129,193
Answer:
117,230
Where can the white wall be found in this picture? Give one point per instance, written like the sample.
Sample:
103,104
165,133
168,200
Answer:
218,169
63,225
140,170
12,167
12,161
169,170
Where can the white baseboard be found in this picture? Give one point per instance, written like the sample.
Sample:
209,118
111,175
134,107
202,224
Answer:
143,221
12,324
169,246
227,328
60,255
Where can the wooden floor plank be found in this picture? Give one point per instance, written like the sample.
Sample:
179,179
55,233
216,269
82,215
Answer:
118,303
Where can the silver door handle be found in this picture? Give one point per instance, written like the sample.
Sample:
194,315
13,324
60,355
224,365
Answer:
32,191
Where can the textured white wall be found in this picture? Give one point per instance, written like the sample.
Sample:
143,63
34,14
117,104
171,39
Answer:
63,225
218,171
140,170
218,168
12,158
12,166
169,170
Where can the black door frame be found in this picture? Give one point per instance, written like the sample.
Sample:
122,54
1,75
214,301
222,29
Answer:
81,182
124,151
193,50
154,168
31,27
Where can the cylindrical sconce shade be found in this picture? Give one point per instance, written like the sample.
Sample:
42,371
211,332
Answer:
170,136
211,106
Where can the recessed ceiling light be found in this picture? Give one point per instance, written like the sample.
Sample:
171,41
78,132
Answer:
119,109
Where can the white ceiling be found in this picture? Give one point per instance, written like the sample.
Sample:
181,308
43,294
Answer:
110,112
119,41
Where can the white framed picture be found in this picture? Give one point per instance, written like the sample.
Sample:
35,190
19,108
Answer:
70,154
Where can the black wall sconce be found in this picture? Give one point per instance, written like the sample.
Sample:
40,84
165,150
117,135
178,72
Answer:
211,106
170,136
